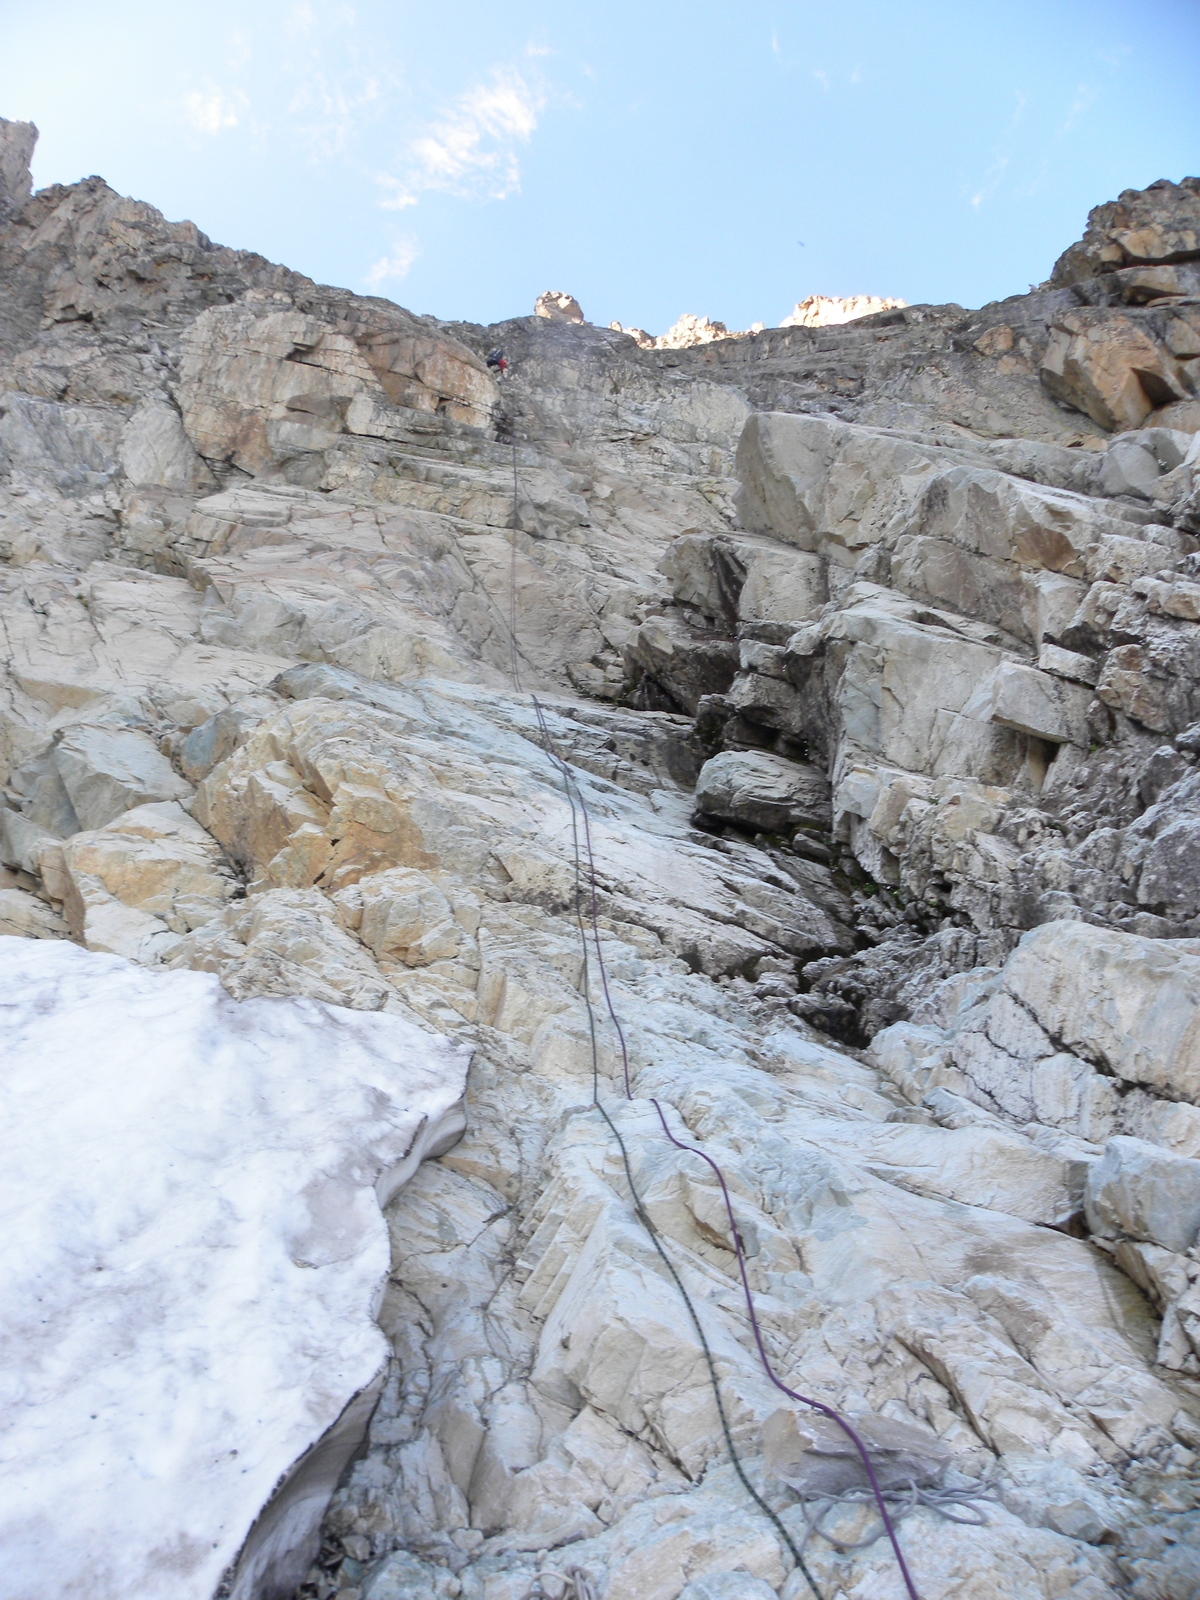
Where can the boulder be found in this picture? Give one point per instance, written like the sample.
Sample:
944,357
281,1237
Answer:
24,916
1127,1003
204,1326
149,873
1141,1191
763,791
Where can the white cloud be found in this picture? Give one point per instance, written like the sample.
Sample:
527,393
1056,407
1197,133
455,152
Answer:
211,110
392,268
472,149
822,78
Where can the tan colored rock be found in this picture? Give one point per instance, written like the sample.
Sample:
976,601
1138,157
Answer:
150,873
1105,365
557,306
260,385
1160,223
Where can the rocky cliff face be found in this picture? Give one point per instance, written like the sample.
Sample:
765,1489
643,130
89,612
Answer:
875,652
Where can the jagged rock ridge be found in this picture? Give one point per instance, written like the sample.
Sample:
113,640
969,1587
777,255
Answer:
874,647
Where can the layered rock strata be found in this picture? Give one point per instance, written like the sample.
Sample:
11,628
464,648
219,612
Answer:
873,650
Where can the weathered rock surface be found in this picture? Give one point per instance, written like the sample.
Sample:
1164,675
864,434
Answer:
876,657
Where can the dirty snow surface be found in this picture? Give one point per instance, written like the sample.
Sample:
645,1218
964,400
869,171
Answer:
191,1250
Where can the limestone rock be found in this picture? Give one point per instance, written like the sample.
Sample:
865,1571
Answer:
156,451
108,770
1034,702
813,1455
23,916
689,331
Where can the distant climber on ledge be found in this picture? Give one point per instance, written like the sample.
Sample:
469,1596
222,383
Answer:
498,362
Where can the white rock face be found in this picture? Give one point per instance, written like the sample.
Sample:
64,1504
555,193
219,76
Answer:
192,1254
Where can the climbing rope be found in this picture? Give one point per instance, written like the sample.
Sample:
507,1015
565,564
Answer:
572,1583
939,1501
579,811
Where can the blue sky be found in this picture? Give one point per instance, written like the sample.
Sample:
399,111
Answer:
653,158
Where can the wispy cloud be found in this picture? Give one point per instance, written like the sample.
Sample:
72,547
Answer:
822,78
1080,105
394,267
992,178
472,149
211,110
329,113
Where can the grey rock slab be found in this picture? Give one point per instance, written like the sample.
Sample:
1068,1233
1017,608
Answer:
1037,703
1144,1192
1127,1003
155,451
108,770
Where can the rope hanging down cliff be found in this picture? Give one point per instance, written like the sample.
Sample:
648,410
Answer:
579,811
